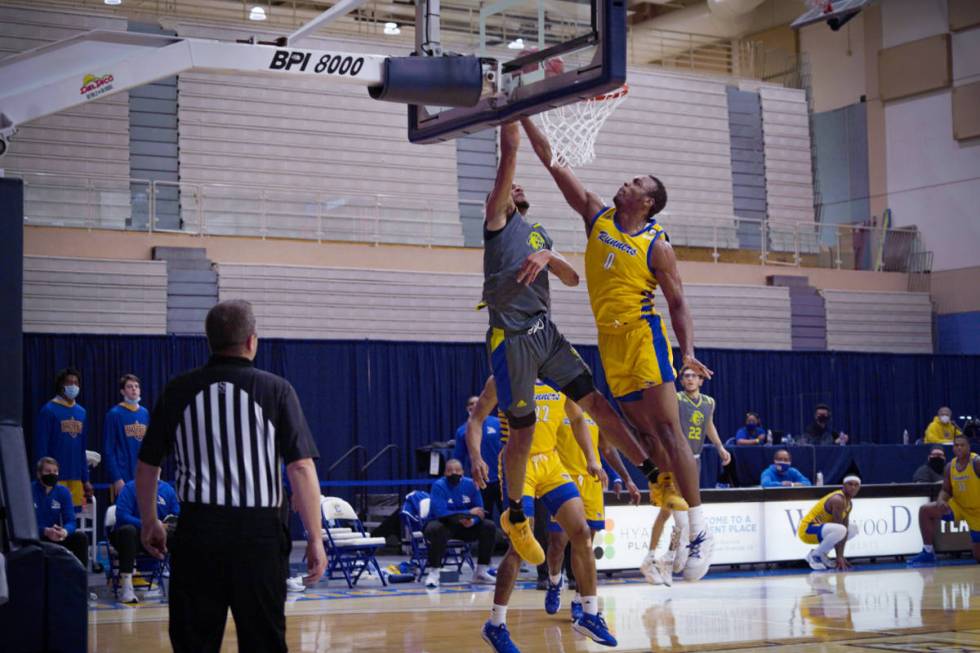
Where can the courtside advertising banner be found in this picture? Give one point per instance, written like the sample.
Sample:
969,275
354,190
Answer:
762,531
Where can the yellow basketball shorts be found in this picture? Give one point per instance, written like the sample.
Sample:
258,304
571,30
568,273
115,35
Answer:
636,357
970,516
77,489
545,479
590,490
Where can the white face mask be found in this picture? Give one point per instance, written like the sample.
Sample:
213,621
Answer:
944,419
132,402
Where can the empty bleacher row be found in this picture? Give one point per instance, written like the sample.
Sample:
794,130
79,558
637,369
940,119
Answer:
64,295
297,158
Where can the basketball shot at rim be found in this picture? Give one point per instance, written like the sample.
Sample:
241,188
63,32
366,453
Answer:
523,343
627,258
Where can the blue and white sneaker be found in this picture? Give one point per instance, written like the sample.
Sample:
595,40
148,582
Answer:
699,556
577,611
594,627
552,600
498,637
924,558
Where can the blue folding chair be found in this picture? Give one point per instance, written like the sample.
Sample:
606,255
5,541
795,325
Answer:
145,566
350,550
414,517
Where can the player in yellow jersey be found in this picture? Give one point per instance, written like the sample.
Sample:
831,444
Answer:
626,259
958,501
545,479
578,443
828,525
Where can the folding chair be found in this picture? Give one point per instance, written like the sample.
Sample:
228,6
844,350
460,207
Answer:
414,516
87,517
350,549
145,566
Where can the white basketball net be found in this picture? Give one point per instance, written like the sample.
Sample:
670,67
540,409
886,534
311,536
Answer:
573,128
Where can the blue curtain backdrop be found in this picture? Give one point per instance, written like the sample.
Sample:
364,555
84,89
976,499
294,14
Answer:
373,393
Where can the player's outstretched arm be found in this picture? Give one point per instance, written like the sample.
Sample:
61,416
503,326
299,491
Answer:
712,432
498,200
474,432
580,430
616,462
582,201
664,264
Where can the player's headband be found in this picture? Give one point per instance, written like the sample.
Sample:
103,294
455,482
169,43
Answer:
852,477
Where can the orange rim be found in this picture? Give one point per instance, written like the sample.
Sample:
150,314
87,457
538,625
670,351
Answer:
613,95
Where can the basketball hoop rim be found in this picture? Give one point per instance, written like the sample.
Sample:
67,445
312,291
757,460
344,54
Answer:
613,95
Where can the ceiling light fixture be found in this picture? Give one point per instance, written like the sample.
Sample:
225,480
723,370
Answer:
113,3
256,13
516,44
392,29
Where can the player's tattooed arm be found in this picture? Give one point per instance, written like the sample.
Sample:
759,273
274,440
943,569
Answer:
498,201
664,264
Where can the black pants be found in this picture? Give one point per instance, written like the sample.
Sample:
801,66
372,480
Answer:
126,540
492,499
438,533
225,558
77,543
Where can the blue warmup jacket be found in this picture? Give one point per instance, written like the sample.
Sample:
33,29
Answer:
61,432
128,512
457,500
772,477
124,430
53,507
490,447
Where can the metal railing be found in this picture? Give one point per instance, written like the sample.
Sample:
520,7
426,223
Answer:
278,212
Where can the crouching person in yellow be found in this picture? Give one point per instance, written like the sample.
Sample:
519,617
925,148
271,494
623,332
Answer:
828,526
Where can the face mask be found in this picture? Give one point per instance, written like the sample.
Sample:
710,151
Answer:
50,480
453,479
782,467
823,419
937,465
71,391
944,419
751,425
132,402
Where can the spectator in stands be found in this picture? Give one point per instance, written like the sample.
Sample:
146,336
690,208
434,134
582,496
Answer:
781,472
820,431
61,432
55,513
490,447
932,471
125,536
125,426
456,512
942,429
752,432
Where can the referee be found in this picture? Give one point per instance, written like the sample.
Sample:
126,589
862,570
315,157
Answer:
231,428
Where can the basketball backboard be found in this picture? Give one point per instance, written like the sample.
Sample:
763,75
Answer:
537,55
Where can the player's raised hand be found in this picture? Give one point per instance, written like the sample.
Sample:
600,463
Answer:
697,366
480,472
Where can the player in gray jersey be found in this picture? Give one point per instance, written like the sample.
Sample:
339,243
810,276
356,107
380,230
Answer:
523,343
697,412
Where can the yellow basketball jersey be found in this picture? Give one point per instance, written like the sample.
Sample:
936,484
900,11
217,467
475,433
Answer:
966,485
617,271
549,407
572,456
818,513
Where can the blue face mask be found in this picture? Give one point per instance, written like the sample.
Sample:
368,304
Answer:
782,468
132,402
71,391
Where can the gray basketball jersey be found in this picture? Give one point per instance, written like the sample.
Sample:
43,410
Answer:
514,306
695,417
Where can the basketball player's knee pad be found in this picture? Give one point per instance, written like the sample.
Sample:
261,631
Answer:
833,533
852,530
521,421
580,387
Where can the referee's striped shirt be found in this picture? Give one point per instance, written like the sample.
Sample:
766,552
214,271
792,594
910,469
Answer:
231,428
